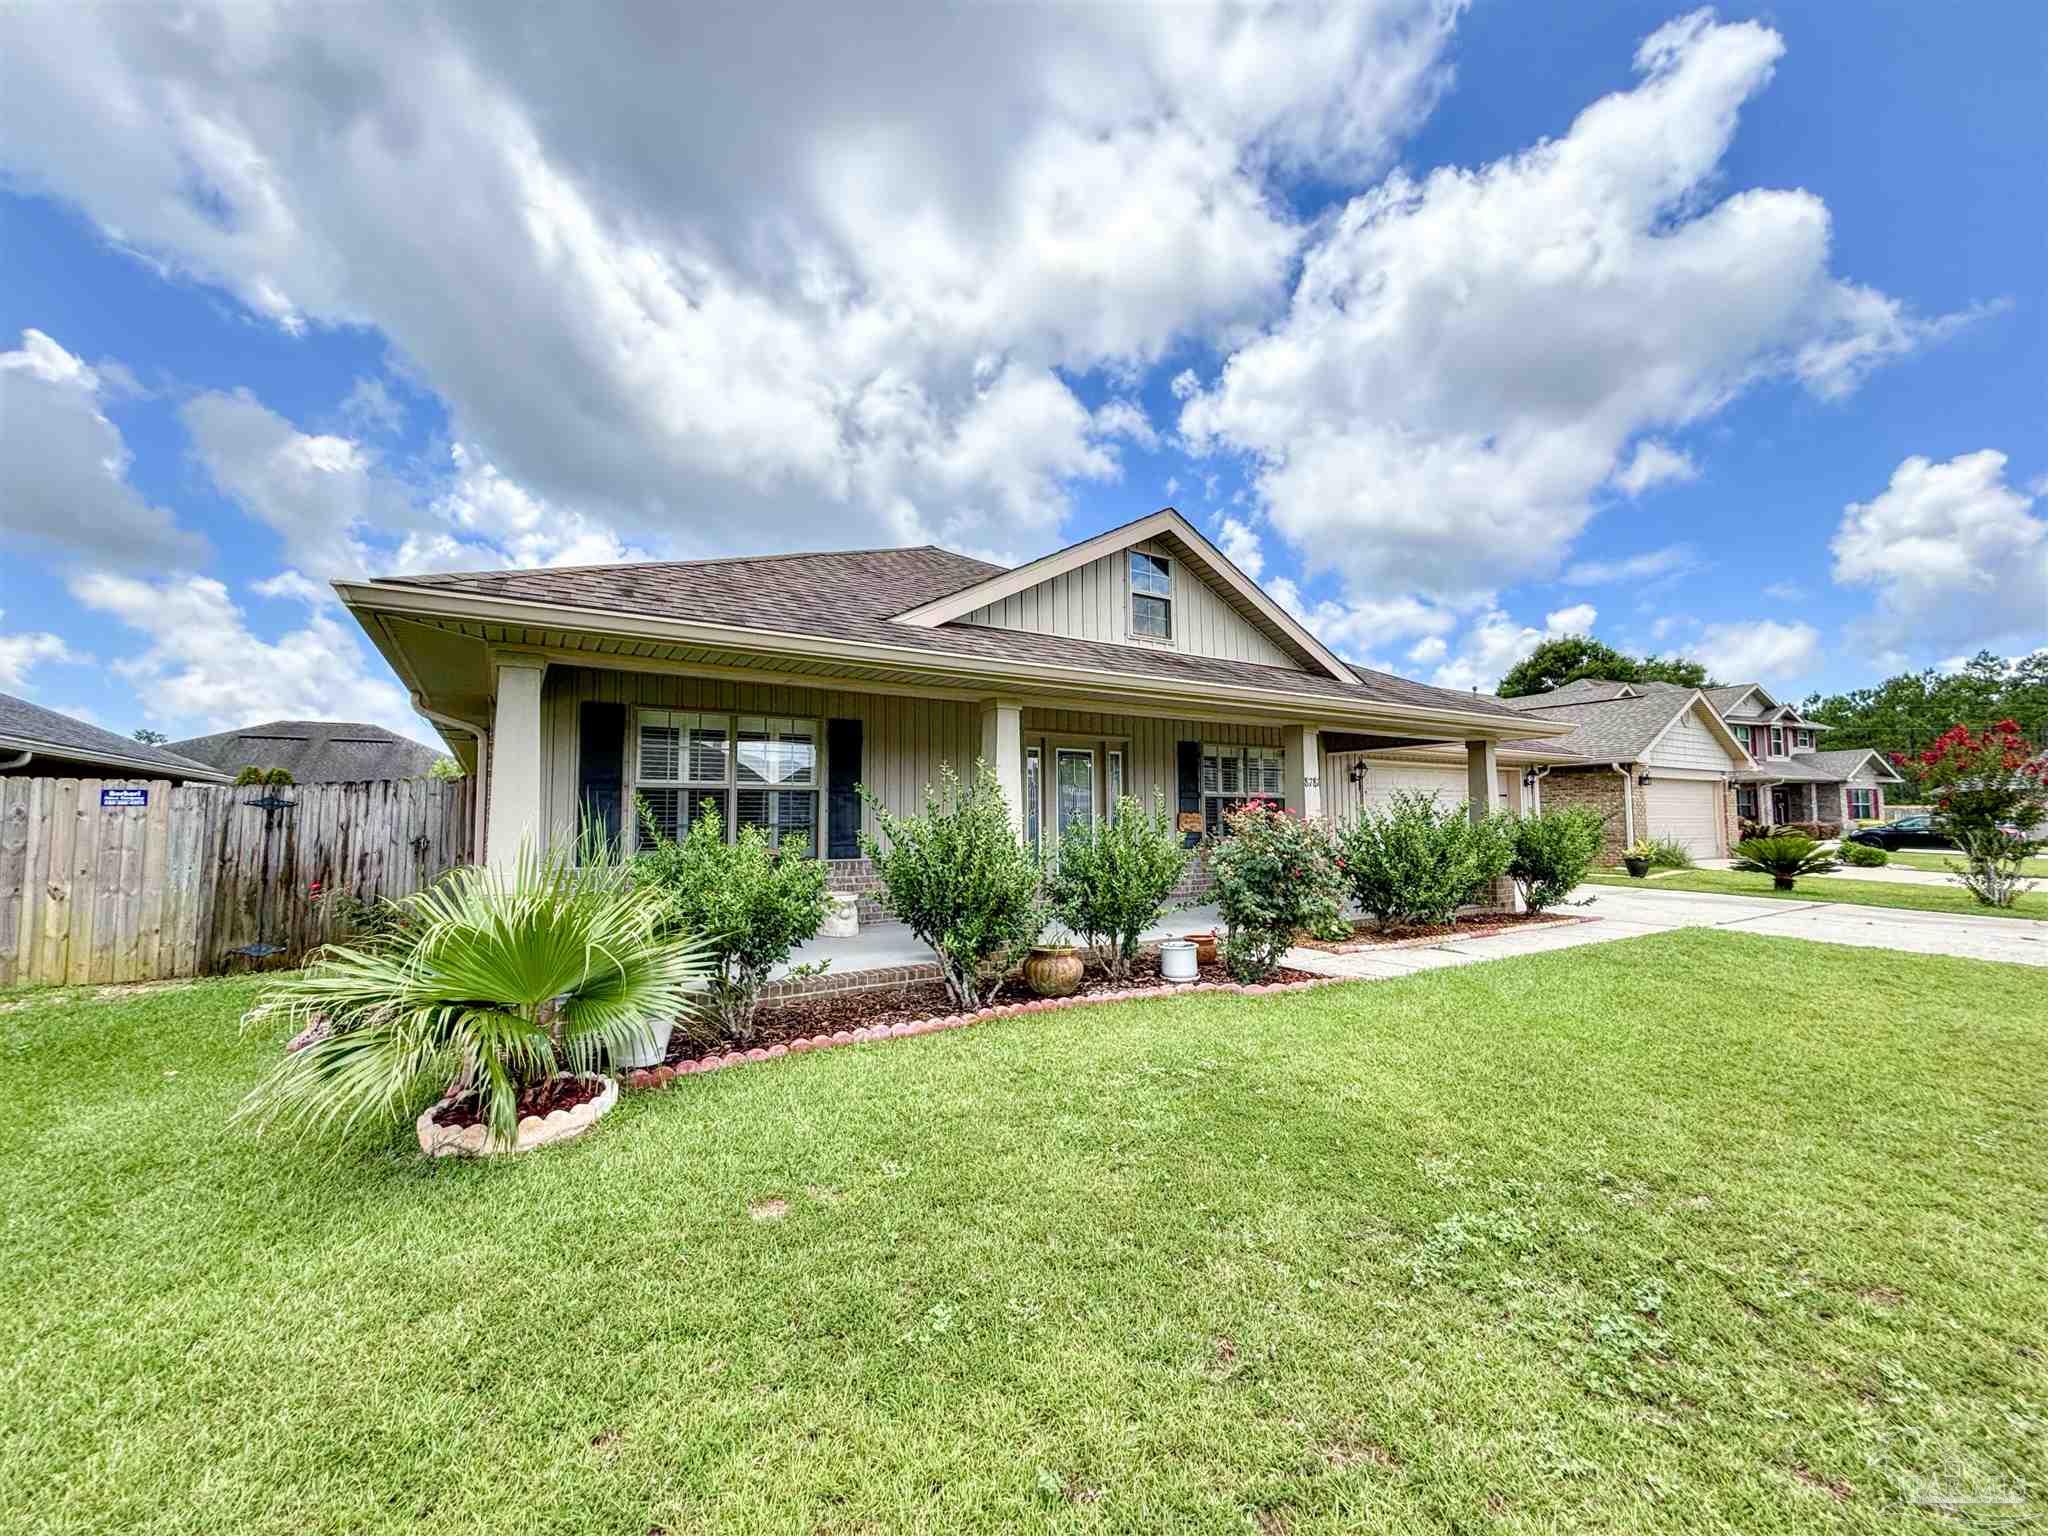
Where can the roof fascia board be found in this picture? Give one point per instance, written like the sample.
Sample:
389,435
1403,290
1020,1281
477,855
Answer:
945,610
368,601
201,772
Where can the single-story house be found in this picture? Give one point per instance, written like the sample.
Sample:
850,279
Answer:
314,751
1654,759
40,743
1139,662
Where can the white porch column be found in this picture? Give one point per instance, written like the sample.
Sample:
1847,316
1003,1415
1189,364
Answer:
1302,752
1482,778
1482,797
515,813
1002,748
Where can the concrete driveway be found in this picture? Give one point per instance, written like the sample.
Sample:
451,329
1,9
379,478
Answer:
1631,911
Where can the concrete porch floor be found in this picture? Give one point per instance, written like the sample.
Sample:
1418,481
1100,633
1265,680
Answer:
879,946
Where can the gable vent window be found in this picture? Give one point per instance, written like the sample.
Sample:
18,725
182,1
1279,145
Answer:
1151,596
749,771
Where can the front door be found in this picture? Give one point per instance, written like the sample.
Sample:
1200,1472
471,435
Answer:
1073,789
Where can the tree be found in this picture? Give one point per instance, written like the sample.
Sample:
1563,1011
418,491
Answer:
150,738
1983,784
1563,660
446,768
1907,713
1567,658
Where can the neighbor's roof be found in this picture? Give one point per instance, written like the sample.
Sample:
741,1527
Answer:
30,727
315,751
1817,767
857,595
1608,728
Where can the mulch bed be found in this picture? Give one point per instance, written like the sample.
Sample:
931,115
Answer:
1367,936
779,1023
541,1099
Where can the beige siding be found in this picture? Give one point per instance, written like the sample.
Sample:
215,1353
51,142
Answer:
904,739
1346,801
1690,744
1091,602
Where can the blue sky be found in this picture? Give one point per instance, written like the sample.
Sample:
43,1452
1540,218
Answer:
1711,332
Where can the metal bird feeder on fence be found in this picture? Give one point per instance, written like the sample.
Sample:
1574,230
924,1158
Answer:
270,806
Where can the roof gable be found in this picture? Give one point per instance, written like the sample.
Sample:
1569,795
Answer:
1181,537
30,727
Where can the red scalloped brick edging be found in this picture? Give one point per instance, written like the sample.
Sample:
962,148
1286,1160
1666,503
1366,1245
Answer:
662,1076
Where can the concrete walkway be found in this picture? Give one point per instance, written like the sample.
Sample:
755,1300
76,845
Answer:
1630,912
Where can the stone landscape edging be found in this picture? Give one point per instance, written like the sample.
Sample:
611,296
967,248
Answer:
719,1061
437,1140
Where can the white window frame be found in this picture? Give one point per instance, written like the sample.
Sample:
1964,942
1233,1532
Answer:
1777,741
1132,594
1261,774
1112,781
1869,794
693,785
1034,792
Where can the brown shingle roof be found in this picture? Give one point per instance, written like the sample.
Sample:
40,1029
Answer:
314,751
856,594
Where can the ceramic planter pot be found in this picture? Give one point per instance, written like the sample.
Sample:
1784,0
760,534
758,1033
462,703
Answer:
1205,947
650,1050
1639,868
437,1140
1054,970
1177,960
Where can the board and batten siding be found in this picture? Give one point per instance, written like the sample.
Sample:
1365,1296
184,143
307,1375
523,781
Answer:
1092,602
905,738
1690,744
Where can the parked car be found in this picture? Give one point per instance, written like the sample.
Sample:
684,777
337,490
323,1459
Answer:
1906,832
1912,832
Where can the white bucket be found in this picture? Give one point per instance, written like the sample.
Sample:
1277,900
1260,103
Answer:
1177,960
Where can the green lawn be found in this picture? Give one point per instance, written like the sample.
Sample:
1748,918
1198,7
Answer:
1565,1243
1860,893
1918,858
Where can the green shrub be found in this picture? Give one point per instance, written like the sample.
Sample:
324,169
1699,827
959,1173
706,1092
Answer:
278,776
247,775
1417,859
1864,856
1114,878
1667,853
1276,876
1552,853
752,904
492,982
961,879
1784,859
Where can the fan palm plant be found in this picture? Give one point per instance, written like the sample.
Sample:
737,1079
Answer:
491,981
1784,859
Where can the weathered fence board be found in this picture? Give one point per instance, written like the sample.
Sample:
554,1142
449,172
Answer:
174,887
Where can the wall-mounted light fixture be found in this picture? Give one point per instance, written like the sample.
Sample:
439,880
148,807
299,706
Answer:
1357,774
1644,779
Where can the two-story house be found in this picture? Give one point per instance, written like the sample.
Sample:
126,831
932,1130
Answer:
1792,779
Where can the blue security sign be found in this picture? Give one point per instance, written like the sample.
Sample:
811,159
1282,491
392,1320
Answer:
123,796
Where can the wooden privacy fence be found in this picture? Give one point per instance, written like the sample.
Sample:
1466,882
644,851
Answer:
106,880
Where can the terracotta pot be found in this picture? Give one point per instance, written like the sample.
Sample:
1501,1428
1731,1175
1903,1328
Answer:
1054,970
1205,947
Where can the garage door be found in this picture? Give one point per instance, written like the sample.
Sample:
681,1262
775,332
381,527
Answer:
1383,778
1688,811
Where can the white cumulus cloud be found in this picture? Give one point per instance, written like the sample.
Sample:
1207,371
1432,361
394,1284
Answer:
1575,620
1467,356
1763,650
64,466
1958,558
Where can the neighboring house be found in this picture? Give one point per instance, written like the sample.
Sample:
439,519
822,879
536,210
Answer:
1140,662
314,751
1656,760
40,743
1792,781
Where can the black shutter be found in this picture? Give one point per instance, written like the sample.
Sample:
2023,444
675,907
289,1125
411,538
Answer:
842,799
1188,755
602,754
